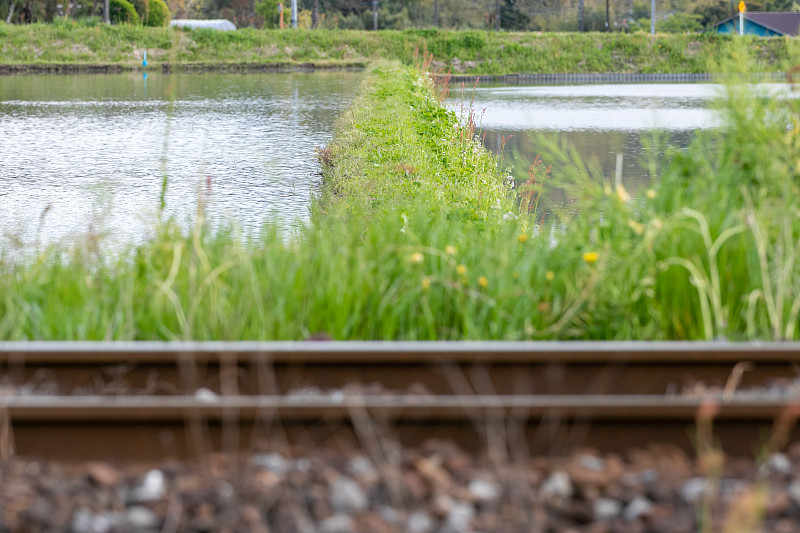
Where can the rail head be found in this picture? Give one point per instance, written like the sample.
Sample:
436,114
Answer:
394,352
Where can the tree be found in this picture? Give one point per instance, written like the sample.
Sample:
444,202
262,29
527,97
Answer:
511,18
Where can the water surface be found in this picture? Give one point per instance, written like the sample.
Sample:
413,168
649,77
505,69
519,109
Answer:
600,121
89,153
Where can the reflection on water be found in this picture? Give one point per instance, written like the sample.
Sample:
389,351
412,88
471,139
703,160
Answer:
600,121
83,151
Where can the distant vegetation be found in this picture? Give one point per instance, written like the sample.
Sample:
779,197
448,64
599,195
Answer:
515,15
477,52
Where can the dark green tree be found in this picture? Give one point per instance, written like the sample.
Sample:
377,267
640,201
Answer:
512,18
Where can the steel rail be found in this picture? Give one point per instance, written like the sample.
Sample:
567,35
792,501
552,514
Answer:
402,351
620,407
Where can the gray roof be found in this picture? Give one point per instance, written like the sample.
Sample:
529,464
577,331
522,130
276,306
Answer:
783,22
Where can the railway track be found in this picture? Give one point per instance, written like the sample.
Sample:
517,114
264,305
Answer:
149,400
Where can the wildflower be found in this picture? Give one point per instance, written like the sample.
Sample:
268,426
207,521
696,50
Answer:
416,258
651,193
657,223
622,193
483,282
523,237
637,227
461,269
450,250
590,257
550,275
426,283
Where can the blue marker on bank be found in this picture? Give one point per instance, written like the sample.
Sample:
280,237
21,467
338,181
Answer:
144,63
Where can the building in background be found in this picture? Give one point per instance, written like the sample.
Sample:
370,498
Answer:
763,24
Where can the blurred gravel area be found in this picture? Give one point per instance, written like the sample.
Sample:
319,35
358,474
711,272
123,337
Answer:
435,488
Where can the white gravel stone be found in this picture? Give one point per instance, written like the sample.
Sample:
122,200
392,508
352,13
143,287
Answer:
460,516
141,518
483,490
638,507
590,462
420,522
339,523
558,484
693,490
780,463
274,462
607,508
347,496
152,488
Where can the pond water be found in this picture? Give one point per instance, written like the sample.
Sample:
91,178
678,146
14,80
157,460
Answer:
89,153
600,121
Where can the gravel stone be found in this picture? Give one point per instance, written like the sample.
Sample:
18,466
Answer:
607,508
420,522
141,518
273,462
339,523
558,485
152,488
484,491
693,490
459,517
347,496
639,507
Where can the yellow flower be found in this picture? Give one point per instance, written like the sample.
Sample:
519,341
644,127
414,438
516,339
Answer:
461,269
622,193
651,193
450,250
416,258
483,282
590,257
523,237
637,227
426,283
550,275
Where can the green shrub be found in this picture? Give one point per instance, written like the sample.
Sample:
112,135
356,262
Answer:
122,12
142,8
159,14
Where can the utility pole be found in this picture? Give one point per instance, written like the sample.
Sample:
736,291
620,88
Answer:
652,17
497,15
580,16
106,12
608,27
294,14
374,15
436,13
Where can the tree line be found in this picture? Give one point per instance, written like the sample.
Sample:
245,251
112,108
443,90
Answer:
512,15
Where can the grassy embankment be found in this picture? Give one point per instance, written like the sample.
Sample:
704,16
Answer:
418,236
478,52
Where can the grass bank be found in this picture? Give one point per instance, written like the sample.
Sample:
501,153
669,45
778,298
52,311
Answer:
76,46
417,234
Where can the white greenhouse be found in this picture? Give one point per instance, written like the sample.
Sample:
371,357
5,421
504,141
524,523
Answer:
215,24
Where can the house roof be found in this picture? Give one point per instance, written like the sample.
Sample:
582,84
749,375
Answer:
783,22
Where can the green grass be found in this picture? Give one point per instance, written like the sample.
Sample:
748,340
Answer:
418,235
76,44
